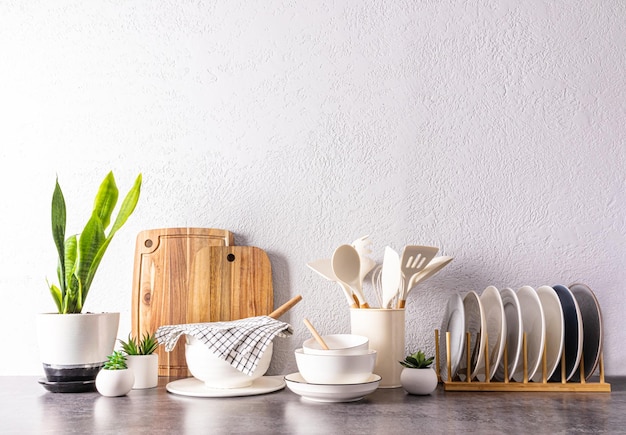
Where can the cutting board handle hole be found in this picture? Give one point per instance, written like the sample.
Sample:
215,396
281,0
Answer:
148,243
230,257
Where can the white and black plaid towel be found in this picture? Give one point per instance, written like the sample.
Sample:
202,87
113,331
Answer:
241,343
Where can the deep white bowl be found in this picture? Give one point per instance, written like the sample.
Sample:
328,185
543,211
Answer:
339,344
335,369
217,373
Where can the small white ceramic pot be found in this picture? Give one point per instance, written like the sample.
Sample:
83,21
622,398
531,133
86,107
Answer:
113,383
418,381
146,370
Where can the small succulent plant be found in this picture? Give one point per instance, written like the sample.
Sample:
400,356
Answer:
115,361
144,346
417,360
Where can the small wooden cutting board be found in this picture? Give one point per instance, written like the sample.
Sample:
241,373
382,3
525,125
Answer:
184,278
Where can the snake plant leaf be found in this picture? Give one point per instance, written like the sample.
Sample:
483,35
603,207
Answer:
71,255
106,198
58,227
89,243
127,207
56,296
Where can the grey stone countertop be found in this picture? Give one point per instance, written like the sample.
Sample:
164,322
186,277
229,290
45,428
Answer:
27,408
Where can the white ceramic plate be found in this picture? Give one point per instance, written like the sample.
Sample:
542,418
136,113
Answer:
453,322
573,342
592,328
196,388
555,330
534,326
493,312
331,393
474,325
514,331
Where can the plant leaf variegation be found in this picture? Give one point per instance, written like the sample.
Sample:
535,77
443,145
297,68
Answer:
80,255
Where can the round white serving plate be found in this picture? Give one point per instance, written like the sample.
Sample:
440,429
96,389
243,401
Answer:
534,324
453,322
514,333
475,325
331,392
555,330
196,388
493,311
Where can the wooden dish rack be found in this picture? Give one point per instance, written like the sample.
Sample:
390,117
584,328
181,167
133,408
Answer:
525,385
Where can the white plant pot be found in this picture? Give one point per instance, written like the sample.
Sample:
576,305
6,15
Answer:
146,370
74,347
418,381
113,383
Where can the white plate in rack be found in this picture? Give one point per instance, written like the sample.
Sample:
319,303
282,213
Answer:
534,325
453,322
475,326
514,331
196,388
331,393
493,312
555,330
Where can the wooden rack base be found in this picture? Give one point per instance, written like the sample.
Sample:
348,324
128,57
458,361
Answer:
470,384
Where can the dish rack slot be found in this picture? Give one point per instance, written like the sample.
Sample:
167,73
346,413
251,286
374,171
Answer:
469,384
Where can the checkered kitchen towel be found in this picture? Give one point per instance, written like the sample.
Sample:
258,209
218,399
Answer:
241,343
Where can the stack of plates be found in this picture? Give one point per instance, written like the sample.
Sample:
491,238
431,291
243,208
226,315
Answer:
331,392
556,319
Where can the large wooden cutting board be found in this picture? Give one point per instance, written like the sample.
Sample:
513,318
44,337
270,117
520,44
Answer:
185,278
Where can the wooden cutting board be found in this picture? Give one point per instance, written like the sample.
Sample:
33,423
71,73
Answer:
183,277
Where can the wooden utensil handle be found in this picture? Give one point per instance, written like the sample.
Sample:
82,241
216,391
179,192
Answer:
316,335
285,307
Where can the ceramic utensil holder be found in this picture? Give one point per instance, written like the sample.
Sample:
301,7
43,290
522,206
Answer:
385,330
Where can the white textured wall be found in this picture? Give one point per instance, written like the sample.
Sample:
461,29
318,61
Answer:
494,130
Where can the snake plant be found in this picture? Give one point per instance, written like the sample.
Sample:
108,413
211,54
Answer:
80,254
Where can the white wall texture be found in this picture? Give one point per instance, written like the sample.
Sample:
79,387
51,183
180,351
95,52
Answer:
493,130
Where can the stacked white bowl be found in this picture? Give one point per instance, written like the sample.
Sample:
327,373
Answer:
348,360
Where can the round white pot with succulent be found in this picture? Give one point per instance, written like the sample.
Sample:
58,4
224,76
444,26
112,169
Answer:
417,376
73,345
115,378
142,360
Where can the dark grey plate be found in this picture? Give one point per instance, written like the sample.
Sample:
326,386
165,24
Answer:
573,337
592,328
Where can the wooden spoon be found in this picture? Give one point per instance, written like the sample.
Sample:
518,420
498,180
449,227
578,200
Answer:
315,334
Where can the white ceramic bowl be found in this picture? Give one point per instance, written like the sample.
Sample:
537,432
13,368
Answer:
339,344
335,369
217,373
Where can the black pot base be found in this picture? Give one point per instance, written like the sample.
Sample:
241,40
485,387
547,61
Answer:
73,373
68,387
